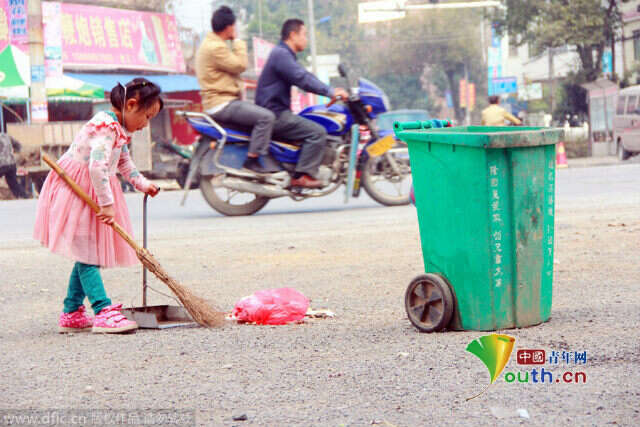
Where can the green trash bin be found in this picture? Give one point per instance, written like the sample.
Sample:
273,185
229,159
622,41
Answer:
485,203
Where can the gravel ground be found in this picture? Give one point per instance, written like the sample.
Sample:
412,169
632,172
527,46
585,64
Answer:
367,366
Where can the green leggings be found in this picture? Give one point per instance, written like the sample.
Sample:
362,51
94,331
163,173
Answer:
86,281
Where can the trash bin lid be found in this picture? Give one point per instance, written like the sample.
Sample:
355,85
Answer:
481,136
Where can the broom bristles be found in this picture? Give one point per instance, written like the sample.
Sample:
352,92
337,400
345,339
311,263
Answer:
199,309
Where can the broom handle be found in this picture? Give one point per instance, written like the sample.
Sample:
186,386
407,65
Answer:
84,196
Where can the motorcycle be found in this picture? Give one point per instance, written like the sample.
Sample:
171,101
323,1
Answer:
357,154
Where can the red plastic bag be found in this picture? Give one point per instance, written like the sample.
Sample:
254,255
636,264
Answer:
272,307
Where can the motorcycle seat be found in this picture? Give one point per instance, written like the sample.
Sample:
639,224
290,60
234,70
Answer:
234,126
247,131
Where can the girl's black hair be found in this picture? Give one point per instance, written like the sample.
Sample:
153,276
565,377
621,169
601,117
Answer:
146,92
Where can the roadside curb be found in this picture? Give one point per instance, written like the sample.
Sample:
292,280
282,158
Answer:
587,162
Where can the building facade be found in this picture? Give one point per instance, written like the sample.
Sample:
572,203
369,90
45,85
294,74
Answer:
630,40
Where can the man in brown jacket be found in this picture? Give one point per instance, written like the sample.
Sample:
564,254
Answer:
495,115
218,68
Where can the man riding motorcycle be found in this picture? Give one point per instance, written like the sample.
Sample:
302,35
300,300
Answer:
274,93
218,69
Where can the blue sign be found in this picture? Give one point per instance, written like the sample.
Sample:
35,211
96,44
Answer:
37,73
449,99
607,62
500,85
495,38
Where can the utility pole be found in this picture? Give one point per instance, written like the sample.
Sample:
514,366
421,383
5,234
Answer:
260,16
38,93
467,110
612,3
552,81
312,37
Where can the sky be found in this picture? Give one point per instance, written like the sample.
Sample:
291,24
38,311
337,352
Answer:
194,14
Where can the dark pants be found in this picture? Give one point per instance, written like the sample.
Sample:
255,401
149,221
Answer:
9,173
246,113
291,127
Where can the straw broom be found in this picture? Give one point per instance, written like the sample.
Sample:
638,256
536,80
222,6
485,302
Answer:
197,307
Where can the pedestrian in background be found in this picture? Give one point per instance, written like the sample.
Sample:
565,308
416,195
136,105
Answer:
8,164
495,115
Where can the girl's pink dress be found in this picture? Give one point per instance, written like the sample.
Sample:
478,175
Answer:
64,222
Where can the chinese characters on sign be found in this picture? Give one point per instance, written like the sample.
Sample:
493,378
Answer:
496,216
530,357
549,211
92,37
13,24
538,357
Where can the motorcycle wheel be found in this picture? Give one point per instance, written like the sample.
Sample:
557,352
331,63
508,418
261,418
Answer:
221,199
383,184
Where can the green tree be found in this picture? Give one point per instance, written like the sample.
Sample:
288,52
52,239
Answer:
589,25
405,48
572,99
393,54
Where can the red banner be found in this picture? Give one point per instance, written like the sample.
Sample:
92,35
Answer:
464,88
105,38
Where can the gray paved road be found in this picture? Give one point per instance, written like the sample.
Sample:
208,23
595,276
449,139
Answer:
368,366
609,185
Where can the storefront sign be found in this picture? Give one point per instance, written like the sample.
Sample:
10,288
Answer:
39,112
104,38
13,24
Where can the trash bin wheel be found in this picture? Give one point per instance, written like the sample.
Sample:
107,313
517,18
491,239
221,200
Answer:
429,302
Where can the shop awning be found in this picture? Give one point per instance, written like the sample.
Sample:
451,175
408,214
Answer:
14,68
59,89
167,82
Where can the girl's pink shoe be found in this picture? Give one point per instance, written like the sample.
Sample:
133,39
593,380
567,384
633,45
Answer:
77,321
111,321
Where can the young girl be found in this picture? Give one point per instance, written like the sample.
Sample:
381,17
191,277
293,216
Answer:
67,225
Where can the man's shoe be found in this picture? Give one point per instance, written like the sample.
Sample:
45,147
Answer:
306,181
253,164
270,163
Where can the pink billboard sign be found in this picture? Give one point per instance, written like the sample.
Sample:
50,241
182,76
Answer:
101,38
261,50
13,24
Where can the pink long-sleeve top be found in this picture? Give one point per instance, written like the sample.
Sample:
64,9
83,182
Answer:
102,145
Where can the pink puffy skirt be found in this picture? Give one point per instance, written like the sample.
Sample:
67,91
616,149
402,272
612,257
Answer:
67,226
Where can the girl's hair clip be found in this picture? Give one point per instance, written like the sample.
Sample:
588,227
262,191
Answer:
137,85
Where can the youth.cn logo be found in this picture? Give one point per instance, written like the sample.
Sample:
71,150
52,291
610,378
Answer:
494,351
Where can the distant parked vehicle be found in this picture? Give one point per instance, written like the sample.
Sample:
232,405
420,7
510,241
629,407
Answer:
626,122
384,121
